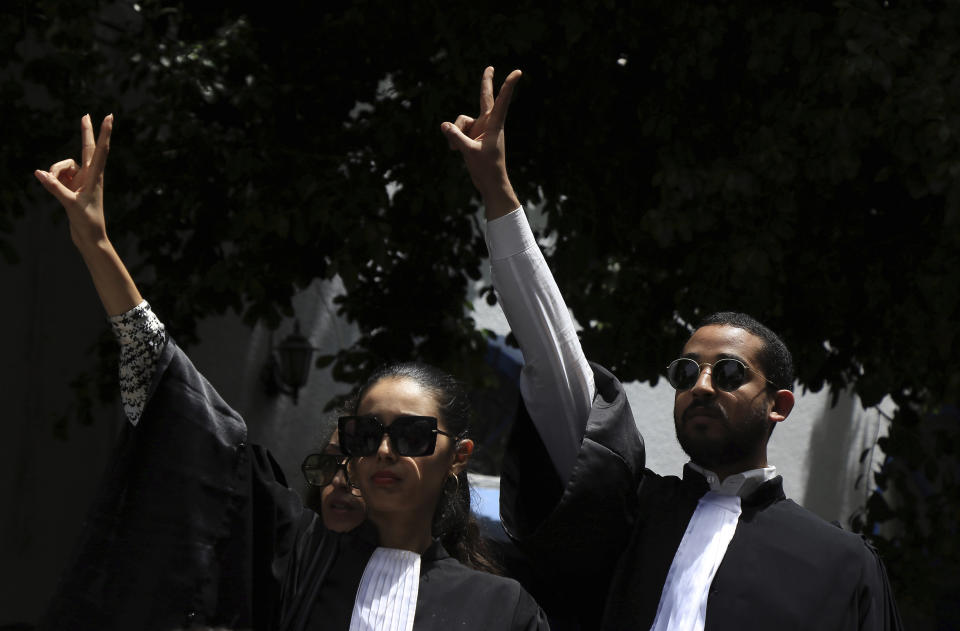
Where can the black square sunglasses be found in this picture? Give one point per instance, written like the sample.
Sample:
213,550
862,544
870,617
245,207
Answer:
727,374
409,435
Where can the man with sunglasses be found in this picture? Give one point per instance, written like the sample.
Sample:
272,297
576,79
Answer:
721,547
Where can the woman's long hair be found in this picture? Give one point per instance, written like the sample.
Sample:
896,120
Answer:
453,522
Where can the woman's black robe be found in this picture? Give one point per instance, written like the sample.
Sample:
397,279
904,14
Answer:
193,526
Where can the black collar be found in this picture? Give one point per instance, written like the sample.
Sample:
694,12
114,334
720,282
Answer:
366,534
767,493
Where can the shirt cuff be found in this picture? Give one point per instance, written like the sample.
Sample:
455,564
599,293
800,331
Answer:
509,235
142,337
138,322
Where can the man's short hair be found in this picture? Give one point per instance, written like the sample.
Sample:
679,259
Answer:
775,359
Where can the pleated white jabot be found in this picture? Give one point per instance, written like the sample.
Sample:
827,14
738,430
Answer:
387,596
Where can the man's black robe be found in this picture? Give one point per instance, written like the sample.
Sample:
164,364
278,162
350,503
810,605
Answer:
605,543
193,526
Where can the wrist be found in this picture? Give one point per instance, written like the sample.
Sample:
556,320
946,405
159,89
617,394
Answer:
92,246
499,199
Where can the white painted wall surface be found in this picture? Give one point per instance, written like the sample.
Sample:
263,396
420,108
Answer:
817,449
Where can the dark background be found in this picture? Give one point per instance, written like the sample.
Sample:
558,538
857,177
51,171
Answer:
796,163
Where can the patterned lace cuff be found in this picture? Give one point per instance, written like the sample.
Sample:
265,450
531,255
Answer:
142,337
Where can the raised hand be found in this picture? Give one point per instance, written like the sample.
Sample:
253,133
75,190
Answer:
481,142
80,187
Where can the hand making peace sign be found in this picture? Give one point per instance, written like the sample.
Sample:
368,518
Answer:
80,187
481,142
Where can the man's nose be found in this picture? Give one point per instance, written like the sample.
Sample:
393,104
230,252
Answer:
703,386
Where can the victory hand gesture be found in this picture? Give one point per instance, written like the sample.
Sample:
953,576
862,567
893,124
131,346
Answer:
80,187
481,142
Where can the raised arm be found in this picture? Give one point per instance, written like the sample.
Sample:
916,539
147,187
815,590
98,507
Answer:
556,383
79,188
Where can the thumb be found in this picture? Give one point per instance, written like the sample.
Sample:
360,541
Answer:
456,138
56,188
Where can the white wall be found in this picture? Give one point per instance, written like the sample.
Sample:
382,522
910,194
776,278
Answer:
816,450
232,356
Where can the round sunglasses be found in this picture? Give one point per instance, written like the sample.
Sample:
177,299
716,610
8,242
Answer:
321,469
409,435
727,374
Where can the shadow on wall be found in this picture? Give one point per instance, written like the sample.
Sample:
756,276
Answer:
840,435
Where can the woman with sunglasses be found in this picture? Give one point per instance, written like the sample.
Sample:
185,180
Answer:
328,490
383,474
194,526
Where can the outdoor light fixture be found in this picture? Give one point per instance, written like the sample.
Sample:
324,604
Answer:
288,366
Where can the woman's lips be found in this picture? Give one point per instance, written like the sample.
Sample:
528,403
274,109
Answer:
341,500
384,478
344,506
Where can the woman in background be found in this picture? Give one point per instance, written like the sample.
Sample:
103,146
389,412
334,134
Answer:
194,527
329,491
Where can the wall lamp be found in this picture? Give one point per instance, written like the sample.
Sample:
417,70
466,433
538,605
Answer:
288,366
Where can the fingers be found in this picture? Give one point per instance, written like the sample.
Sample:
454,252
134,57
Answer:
86,139
65,169
60,180
462,134
486,90
456,138
99,160
464,123
57,189
502,104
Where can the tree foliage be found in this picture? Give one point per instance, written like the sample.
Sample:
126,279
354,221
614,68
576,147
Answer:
798,163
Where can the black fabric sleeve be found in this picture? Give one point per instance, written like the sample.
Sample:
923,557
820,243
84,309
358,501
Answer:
877,604
574,535
188,521
527,615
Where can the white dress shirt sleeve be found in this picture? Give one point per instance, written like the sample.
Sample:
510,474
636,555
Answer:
556,381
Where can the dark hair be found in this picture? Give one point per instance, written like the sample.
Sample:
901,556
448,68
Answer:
453,522
775,359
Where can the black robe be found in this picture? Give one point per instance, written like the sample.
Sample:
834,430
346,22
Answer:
193,526
605,543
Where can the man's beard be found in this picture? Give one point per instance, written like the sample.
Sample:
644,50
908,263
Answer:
739,443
